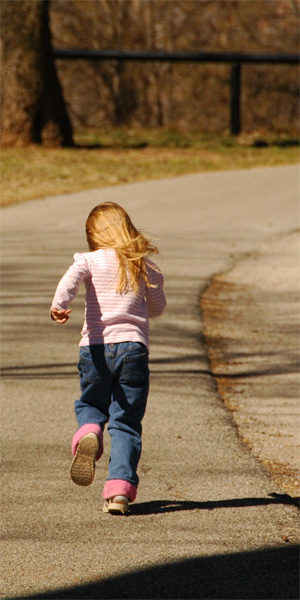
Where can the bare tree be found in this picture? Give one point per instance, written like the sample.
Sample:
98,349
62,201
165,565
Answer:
33,107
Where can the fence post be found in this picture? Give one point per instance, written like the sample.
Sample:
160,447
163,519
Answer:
235,100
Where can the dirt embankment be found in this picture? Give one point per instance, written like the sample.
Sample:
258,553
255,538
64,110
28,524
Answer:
251,326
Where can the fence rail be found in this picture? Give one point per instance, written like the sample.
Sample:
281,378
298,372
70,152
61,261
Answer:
235,58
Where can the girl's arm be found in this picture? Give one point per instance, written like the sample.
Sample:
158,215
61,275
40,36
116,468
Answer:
155,297
67,289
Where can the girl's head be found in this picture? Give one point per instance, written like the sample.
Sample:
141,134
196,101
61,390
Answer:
109,226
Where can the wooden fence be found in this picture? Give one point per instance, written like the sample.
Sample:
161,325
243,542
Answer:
236,60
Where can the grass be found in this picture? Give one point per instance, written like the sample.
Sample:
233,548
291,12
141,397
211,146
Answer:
123,156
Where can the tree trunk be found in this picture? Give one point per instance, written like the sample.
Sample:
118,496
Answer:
33,107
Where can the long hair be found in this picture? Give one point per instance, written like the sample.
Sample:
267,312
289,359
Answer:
109,226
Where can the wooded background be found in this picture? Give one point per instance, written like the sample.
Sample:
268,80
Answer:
190,96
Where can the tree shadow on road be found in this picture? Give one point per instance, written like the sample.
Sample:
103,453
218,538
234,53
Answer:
271,573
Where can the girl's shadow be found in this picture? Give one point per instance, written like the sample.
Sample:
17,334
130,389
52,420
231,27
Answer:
155,507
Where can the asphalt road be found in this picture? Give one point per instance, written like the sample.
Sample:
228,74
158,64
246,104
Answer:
209,521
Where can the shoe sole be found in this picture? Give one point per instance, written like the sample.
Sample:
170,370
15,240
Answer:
116,508
83,465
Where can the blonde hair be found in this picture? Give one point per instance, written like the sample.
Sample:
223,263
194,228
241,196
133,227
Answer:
109,226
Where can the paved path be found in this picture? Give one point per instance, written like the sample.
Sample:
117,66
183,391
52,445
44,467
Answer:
208,522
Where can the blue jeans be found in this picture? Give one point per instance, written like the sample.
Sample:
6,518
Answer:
114,381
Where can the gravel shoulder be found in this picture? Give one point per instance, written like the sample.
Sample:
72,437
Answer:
251,326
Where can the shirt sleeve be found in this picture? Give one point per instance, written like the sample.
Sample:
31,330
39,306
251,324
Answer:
68,286
155,296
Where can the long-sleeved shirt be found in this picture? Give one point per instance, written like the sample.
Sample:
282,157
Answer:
111,317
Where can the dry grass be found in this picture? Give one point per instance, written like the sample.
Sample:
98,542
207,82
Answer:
121,157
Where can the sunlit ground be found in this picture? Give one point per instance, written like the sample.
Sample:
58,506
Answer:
123,156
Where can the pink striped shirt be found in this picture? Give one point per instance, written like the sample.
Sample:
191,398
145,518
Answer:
110,317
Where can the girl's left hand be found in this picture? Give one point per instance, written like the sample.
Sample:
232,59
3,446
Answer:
60,316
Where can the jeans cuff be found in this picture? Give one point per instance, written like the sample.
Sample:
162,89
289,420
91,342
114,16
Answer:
119,487
84,430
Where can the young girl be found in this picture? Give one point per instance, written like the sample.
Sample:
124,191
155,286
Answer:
123,289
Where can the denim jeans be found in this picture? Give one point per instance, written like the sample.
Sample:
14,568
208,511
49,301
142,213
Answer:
114,381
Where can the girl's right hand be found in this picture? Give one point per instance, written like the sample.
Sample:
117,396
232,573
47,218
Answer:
60,316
